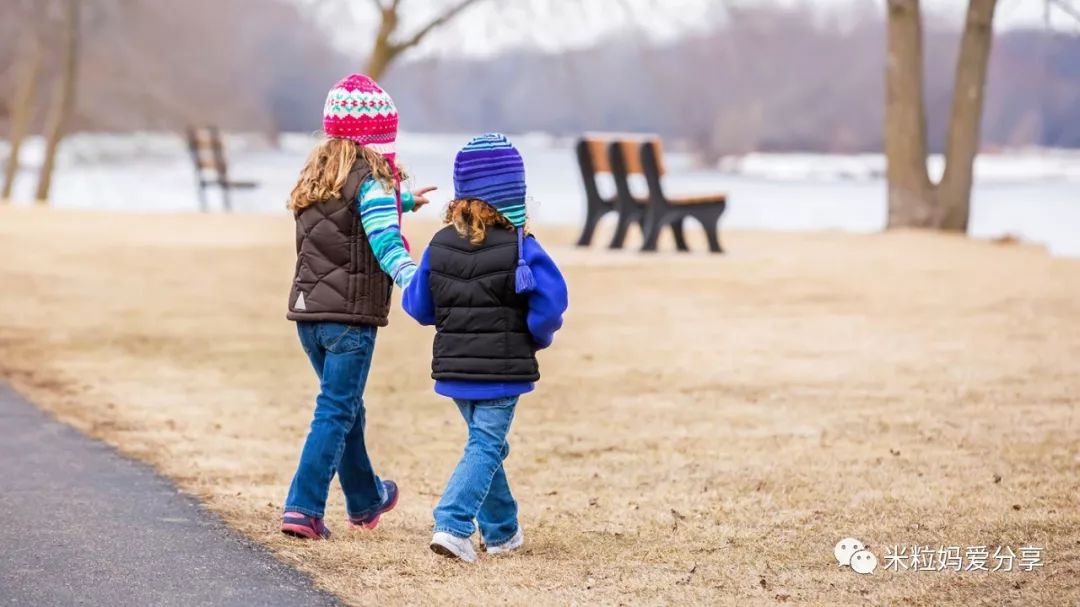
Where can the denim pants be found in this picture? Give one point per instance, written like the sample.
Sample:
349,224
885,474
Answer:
341,355
478,488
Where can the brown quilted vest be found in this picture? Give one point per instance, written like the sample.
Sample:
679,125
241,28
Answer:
337,277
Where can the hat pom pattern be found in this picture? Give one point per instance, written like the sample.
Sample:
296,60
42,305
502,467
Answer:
491,169
358,109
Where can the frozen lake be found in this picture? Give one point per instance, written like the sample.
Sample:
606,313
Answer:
1033,195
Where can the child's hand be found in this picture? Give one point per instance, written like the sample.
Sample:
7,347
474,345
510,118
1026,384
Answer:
419,198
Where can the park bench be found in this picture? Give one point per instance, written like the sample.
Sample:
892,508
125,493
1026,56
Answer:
211,169
623,156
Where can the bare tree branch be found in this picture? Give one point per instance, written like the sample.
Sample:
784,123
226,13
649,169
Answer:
1066,8
435,23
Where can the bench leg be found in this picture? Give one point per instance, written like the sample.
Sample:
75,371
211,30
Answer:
592,217
622,228
652,233
711,223
680,237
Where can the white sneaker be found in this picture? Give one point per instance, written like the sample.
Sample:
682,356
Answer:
452,546
509,545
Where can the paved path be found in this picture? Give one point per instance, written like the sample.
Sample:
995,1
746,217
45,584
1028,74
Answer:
84,526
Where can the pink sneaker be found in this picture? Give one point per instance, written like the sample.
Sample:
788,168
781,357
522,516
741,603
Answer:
303,526
372,520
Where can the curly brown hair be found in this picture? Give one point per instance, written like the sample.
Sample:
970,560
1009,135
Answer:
327,168
471,218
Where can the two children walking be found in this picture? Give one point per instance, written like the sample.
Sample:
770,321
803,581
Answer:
492,292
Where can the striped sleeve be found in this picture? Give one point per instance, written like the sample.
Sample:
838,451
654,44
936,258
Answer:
378,214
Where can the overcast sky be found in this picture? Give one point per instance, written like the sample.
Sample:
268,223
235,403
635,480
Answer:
553,25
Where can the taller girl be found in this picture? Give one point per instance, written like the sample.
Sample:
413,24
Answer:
349,254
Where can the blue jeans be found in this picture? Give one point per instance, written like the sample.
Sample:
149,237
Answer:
478,488
341,355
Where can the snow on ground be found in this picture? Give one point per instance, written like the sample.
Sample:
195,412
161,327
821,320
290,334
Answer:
1035,164
1031,194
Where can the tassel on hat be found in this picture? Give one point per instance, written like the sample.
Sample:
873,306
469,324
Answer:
524,282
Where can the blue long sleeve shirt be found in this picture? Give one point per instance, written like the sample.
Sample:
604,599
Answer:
547,303
378,214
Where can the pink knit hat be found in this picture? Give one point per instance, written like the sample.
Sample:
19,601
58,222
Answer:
358,109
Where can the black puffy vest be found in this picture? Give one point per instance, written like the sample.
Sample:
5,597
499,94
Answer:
482,334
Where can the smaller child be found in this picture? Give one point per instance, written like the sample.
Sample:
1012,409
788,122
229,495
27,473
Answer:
495,298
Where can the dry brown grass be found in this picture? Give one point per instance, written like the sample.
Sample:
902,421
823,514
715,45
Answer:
705,431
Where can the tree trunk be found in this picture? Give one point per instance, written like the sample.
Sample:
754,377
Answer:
22,113
380,59
913,200
383,51
962,143
910,191
63,99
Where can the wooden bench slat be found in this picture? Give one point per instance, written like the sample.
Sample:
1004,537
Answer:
706,199
631,148
204,138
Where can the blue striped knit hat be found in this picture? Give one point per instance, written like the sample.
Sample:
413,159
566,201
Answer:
489,168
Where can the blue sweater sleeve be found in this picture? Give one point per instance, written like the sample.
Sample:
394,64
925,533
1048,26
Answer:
550,299
416,298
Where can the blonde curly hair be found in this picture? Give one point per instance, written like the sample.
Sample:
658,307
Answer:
472,217
327,168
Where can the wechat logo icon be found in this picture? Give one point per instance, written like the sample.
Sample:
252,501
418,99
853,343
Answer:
850,552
